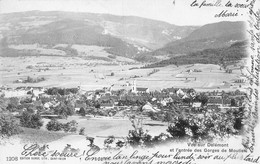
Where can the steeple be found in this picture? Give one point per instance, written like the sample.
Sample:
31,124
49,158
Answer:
134,86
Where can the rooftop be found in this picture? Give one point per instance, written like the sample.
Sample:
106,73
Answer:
141,89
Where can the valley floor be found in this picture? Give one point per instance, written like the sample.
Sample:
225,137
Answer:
91,75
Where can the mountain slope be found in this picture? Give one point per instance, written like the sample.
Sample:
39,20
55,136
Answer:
216,35
220,56
233,30
121,35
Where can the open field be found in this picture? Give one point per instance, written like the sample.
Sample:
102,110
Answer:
96,74
29,135
100,128
40,136
34,48
105,126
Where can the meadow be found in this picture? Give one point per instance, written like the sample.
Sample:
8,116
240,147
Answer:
91,74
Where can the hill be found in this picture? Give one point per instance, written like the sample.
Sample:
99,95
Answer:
126,36
210,36
220,56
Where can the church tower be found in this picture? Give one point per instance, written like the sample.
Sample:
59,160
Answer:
134,87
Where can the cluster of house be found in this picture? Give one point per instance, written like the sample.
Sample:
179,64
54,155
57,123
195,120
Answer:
193,70
30,92
109,99
215,100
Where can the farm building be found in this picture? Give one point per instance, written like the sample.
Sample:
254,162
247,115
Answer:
142,90
79,105
215,100
196,104
107,106
149,108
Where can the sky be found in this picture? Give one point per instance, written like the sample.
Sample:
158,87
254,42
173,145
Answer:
178,12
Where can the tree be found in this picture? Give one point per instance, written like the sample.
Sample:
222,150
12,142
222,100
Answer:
9,125
97,105
29,79
187,100
202,98
178,129
70,110
31,120
237,92
70,126
138,137
13,104
239,116
3,104
233,102
168,117
82,111
82,131
63,112
54,125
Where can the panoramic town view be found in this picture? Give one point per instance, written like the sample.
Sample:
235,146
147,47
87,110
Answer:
114,82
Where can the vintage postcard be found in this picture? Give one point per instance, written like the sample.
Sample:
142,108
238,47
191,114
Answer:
129,81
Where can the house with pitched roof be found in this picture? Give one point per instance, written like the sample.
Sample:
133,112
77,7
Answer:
142,90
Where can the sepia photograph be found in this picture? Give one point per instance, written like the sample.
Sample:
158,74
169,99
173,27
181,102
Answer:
129,81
